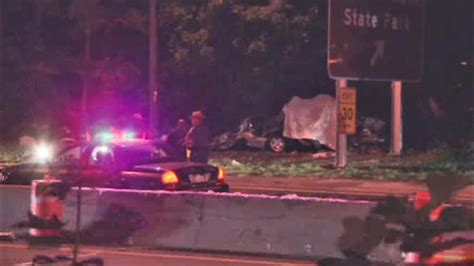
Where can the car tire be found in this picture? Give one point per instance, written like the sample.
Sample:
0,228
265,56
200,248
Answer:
277,144
224,188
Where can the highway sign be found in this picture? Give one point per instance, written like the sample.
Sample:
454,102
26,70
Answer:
347,113
375,39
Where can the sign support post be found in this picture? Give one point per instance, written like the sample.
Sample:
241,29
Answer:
341,139
397,126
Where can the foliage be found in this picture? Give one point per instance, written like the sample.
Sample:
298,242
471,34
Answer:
10,153
239,54
115,75
46,70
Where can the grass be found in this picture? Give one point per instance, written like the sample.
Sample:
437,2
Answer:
412,166
10,153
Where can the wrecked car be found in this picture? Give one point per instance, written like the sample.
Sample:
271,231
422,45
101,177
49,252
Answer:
302,124
261,132
371,132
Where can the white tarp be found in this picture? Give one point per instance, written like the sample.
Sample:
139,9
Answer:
311,119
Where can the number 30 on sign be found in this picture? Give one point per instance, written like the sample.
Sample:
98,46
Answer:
347,110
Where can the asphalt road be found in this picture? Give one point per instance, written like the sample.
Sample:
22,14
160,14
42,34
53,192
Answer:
331,188
22,255
337,188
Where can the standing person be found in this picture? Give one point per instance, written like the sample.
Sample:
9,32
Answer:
197,139
176,139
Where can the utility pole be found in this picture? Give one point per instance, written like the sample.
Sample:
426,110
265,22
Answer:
153,53
86,71
2,98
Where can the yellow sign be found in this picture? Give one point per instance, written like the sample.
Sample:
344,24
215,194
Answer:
347,114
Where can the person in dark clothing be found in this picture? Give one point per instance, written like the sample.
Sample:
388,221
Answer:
197,139
176,139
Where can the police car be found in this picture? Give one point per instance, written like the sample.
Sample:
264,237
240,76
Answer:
121,164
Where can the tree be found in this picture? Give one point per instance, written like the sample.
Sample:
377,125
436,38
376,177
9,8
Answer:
230,57
93,16
87,13
22,50
47,64
233,57
2,111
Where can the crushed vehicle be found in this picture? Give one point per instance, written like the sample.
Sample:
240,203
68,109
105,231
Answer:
371,132
260,132
303,123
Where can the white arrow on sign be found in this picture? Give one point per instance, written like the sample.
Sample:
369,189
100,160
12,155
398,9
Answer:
379,51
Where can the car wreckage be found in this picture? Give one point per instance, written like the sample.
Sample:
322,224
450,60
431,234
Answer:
303,124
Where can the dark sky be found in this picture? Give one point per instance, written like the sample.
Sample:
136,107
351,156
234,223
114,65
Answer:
448,42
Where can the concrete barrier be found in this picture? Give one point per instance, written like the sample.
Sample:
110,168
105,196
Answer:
254,224
14,205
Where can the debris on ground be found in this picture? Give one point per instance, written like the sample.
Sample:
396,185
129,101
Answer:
236,163
323,155
370,162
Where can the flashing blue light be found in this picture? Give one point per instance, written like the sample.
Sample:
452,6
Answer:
128,135
105,136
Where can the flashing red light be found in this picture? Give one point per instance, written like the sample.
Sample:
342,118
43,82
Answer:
422,199
169,178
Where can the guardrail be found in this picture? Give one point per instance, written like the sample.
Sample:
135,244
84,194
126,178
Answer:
241,223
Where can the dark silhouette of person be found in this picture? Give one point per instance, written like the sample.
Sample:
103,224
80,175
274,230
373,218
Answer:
176,139
197,139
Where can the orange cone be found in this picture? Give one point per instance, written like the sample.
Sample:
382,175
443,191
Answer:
46,205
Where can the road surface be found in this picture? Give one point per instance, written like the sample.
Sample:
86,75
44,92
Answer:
12,254
339,188
334,188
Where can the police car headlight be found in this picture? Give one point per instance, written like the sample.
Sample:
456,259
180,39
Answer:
43,153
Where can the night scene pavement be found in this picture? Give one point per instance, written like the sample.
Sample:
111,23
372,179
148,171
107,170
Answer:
21,254
342,188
